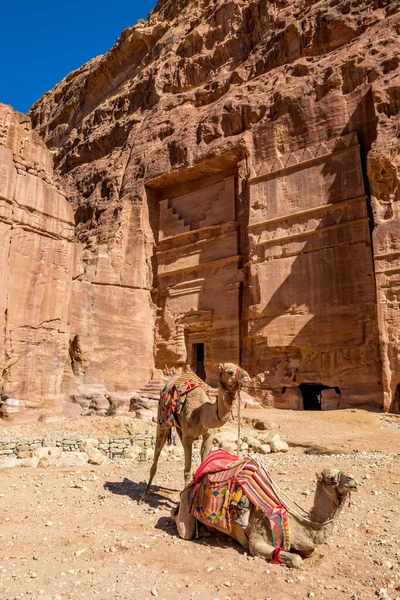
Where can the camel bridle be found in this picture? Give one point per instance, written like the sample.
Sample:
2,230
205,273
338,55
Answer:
301,512
232,390
336,482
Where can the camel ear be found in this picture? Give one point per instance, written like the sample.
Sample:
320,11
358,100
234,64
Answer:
220,367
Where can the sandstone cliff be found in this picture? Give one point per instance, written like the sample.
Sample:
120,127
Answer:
233,168
37,259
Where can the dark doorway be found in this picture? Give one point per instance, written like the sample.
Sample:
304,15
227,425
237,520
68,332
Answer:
395,408
198,361
311,393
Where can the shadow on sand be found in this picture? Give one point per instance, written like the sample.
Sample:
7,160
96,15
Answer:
209,538
158,498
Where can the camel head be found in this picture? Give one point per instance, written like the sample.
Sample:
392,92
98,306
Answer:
337,482
232,376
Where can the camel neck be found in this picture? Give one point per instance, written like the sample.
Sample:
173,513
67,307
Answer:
326,507
225,401
326,504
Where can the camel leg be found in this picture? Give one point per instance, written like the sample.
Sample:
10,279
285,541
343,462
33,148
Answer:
187,443
179,432
206,445
161,438
185,522
239,535
259,547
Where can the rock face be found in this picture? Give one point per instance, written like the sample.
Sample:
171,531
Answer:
233,168
37,262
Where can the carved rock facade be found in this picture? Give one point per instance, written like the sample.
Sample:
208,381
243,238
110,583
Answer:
234,172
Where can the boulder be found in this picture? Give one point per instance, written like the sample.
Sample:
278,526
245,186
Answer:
264,449
29,461
47,452
100,404
89,445
45,462
10,408
91,397
133,452
253,442
263,425
146,454
229,446
95,456
279,446
73,459
248,401
122,402
224,436
144,414
267,438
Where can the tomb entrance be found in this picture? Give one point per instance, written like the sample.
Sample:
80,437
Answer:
197,284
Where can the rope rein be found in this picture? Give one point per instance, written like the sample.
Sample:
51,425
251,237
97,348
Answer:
279,493
239,425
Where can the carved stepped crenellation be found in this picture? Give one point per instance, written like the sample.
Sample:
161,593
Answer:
215,216
171,223
152,389
222,210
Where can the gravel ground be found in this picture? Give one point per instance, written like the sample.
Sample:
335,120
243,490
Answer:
79,531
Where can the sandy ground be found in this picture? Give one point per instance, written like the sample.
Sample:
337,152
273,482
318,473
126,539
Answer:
79,532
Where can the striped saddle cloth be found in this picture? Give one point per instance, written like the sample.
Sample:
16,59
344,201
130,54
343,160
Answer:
221,480
173,397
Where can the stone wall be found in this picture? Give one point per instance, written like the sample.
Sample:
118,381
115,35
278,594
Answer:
120,446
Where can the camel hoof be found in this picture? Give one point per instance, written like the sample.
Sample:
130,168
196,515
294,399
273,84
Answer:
295,561
145,496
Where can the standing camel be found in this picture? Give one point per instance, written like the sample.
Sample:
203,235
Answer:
199,415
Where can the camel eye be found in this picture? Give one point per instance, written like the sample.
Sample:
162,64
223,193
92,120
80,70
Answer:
230,372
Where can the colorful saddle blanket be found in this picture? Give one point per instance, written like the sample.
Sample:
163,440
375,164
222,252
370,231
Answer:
216,485
173,397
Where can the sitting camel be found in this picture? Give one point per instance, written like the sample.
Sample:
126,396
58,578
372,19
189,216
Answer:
199,415
306,530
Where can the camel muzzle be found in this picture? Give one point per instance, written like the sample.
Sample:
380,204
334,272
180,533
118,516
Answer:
352,485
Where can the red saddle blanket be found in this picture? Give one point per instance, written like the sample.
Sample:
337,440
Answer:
173,397
217,481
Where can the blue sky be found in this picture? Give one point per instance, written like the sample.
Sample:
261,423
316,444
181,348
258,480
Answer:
42,41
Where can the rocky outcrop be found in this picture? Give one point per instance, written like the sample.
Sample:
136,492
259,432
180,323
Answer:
233,170
38,261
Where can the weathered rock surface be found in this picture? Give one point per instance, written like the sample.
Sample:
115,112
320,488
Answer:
37,264
226,162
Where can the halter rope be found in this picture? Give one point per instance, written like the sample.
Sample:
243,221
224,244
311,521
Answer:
232,390
293,511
